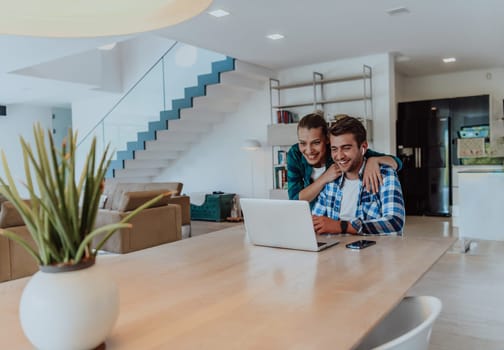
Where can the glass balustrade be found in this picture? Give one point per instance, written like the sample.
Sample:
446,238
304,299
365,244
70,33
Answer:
154,92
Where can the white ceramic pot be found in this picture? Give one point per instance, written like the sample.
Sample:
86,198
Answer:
69,310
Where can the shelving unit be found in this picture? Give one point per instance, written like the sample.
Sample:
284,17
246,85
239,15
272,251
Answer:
321,97
295,98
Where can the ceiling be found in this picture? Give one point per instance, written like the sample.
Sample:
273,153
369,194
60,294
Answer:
314,30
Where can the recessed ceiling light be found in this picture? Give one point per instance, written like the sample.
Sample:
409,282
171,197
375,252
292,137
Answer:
218,13
275,36
396,11
449,60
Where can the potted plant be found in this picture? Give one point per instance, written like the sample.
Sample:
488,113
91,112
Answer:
69,303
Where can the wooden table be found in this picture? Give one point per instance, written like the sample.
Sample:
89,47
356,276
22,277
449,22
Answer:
217,291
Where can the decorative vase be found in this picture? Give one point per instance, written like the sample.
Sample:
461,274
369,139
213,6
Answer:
69,308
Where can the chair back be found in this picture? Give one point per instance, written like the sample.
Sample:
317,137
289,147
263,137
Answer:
407,327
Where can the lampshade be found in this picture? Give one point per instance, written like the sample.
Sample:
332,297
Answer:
251,145
94,18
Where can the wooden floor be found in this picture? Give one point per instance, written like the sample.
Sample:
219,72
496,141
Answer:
470,285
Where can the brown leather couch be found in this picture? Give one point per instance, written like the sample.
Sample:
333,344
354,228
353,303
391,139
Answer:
159,224
114,188
15,262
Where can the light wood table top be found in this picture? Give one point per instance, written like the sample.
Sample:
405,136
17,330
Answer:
217,291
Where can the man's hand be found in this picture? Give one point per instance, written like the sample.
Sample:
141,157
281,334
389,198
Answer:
323,224
331,174
372,177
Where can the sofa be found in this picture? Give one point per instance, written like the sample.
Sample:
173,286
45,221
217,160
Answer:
158,224
114,188
15,262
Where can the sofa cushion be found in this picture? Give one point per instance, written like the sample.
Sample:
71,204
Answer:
9,216
132,200
115,190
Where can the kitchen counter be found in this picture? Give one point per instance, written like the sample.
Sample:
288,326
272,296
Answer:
481,203
482,171
456,170
489,167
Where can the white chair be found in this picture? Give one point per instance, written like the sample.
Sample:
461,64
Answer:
407,327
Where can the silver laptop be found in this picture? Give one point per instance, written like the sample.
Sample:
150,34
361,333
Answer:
282,224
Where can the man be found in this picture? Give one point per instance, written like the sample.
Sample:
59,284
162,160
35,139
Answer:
345,205
310,166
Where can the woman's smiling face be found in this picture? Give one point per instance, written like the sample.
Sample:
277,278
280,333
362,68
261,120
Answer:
313,146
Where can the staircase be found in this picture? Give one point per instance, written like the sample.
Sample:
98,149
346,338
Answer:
203,106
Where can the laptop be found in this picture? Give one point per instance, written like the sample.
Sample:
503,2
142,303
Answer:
282,224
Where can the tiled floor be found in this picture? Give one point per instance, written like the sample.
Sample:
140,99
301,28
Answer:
471,287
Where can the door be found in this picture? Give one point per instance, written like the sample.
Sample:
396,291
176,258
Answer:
411,134
437,164
61,122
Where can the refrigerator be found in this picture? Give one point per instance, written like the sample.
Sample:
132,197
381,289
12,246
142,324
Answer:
423,145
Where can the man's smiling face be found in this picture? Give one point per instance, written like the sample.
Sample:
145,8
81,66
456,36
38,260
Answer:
347,155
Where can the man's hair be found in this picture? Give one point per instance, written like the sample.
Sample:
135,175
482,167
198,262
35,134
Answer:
313,121
349,125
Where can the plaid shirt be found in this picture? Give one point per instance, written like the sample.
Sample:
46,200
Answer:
381,213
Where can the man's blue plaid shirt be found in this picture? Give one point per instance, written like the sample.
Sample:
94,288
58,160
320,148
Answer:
381,213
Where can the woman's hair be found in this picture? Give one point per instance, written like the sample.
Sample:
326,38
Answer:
349,125
313,121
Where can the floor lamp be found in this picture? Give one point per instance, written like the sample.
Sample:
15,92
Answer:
251,145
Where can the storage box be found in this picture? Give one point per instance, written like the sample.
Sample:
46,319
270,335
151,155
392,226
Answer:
216,207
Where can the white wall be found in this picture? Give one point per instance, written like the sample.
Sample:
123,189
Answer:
218,163
19,122
468,83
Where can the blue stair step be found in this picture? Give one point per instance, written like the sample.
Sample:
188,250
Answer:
156,126
182,103
169,115
209,79
195,91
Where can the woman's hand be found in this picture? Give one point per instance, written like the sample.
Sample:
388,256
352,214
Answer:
372,177
331,174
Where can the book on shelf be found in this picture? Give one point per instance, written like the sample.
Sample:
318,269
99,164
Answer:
286,117
281,157
280,177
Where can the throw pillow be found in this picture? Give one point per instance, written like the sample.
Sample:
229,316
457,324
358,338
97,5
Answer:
132,200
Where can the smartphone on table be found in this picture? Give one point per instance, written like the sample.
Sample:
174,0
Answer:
361,244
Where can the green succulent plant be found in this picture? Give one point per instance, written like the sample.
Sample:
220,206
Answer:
60,212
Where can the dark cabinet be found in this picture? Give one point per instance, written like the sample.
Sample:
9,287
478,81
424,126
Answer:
411,126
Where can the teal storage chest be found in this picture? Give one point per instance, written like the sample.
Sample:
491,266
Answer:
216,207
